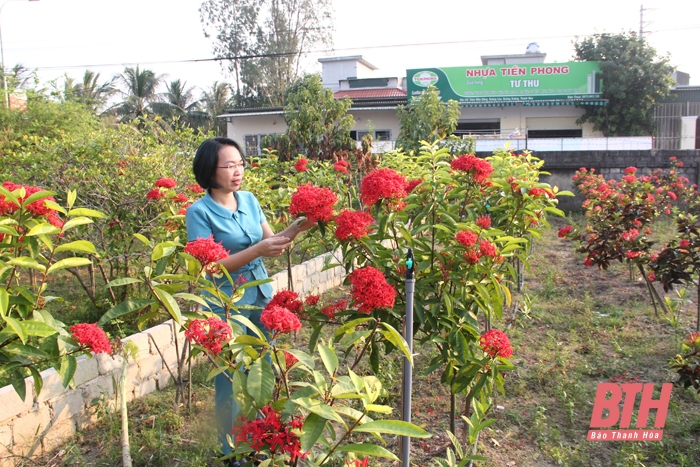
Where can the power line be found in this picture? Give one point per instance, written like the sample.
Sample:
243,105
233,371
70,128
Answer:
332,50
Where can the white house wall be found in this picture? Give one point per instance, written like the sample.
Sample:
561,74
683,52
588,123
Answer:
534,118
239,127
377,120
552,117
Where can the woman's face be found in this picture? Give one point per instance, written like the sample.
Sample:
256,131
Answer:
229,170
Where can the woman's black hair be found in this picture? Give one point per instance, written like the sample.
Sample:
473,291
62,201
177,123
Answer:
207,159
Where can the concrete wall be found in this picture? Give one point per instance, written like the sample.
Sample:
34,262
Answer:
48,420
611,164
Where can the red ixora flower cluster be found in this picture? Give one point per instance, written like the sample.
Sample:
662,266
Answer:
370,290
496,344
313,202
287,299
289,360
165,183
269,432
92,336
301,164
483,222
279,320
195,188
211,333
341,166
383,184
38,207
207,252
311,300
479,168
564,231
352,225
333,308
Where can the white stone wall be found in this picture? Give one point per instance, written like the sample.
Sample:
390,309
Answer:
46,421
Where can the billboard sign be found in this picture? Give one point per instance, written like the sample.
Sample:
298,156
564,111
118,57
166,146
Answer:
569,81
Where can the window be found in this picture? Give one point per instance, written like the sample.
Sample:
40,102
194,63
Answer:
478,127
378,135
555,133
252,144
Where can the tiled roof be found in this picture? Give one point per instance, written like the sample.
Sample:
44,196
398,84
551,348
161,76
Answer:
370,93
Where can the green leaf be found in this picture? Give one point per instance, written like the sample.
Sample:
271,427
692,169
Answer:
249,324
393,336
43,229
79,245
17,328
4,302
17,380
170,304
27,263
9,196
37,196
163,249
393,427
261,382
67,369
85,212
351,325
217,370
72,195
191,297
76,221
319,408
367,449
69,263
311,431
143,239
249,340
304,358
38,328
38,380
124,281
329,359
379,408
55,206
124,308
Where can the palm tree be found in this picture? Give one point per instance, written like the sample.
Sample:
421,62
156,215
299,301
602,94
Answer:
178,102
90,92
140,92
216,99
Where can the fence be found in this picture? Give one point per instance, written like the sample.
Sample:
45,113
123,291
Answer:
46,421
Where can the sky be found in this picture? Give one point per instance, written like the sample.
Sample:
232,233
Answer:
56,37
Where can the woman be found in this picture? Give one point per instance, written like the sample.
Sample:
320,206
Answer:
234,218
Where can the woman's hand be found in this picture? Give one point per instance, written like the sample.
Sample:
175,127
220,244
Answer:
273,246
302,224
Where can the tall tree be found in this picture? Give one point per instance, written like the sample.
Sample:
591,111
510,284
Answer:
635,79
317,124
267,41
178,101
426,118
140,90
90,91
216,99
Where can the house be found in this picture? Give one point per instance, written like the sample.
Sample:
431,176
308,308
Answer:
517,99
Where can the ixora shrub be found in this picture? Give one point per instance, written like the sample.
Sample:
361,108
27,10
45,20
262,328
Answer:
620,217
33,249
465,219
292,412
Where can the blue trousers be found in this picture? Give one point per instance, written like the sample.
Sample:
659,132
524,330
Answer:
226,407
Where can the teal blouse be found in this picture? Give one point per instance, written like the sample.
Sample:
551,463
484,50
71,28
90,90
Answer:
236,231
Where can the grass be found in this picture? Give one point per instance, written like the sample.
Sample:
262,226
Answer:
582,326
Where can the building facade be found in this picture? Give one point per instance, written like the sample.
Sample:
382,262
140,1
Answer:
522,98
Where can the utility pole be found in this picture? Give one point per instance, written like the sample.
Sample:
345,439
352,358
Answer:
643,23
